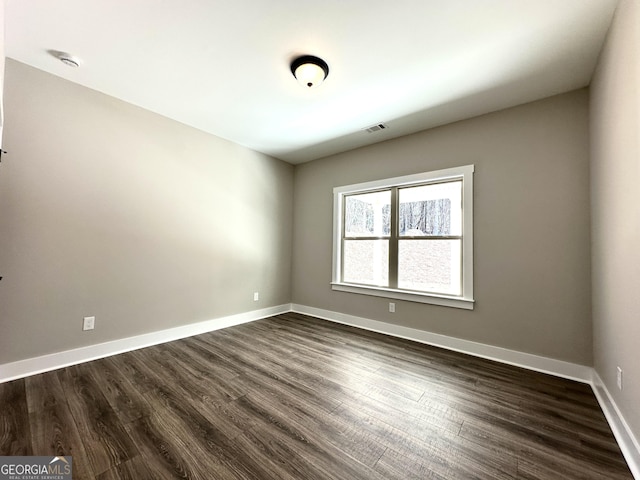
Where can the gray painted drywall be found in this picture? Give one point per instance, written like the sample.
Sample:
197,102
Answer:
532,257
110,210
2,61
615,166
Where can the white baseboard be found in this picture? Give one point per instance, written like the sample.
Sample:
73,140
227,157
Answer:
628,443
53,361
559,368
624,436
626,440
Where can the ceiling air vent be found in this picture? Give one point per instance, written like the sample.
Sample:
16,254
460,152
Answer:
376,128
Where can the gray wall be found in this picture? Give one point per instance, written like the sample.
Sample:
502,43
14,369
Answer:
2,61
615,166
109,210
532,249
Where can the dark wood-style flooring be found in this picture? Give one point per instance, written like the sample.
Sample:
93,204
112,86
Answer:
293,397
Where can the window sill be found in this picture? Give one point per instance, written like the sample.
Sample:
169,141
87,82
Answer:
443,300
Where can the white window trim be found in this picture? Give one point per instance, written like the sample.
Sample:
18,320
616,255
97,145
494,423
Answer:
465,300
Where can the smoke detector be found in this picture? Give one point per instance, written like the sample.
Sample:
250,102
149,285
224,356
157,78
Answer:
66,58
69,60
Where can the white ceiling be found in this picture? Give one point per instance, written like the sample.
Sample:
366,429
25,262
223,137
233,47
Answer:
223,65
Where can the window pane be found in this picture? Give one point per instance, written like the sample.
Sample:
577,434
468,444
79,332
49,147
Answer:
368,214
430,266
366,261
431,210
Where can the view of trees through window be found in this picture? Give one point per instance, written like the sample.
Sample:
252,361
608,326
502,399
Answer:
368,214
425,260
425,217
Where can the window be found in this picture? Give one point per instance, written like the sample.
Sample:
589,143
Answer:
407,238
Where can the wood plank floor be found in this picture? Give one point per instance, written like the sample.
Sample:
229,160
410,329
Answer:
293,397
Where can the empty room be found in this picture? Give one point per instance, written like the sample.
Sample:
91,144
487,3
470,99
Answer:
299,240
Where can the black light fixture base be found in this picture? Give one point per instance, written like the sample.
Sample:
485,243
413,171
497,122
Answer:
309,59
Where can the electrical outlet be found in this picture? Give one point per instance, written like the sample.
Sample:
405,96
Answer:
392,307
256,296
619,378
88,323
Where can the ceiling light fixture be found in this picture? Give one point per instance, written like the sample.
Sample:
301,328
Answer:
310,71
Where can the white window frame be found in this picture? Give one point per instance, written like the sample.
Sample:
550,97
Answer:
465,300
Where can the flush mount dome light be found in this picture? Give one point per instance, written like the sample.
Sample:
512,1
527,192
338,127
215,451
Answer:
310,71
